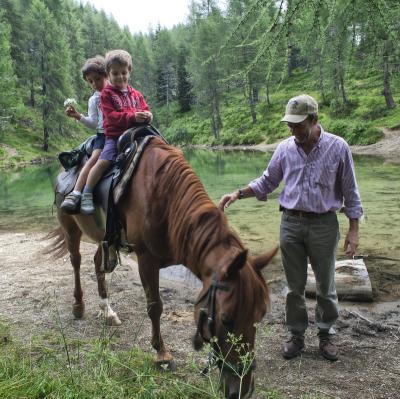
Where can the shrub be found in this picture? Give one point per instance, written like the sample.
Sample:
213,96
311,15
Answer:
179,135
372,108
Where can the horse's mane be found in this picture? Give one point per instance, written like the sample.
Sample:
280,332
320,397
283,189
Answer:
196,225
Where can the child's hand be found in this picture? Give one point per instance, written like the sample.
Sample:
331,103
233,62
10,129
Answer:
143,117
72,112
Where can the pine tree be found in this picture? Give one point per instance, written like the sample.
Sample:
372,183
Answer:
8,99
208,30
184,87
49,67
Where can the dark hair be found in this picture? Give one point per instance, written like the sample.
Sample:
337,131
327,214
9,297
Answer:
96,64
119,57
313,116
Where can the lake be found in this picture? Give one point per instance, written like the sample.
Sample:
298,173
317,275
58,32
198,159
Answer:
26,199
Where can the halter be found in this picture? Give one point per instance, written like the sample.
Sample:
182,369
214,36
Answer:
209,298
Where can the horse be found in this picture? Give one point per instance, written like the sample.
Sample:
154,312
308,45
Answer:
170,219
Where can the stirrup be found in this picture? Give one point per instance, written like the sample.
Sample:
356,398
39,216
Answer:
107,265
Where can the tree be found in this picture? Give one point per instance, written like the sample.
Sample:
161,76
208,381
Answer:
184,86
49,66
208,28
8,97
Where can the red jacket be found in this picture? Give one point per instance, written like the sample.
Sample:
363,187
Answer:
119,109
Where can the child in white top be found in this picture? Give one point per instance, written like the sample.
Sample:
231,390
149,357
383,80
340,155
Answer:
94,73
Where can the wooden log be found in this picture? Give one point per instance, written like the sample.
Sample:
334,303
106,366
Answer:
352,281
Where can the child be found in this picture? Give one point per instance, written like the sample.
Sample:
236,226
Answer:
94,72
122,106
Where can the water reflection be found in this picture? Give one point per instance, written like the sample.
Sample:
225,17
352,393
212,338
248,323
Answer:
26,199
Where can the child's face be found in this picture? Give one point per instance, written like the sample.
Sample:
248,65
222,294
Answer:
96,81
119,76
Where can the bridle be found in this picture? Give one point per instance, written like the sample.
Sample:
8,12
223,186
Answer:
208,313
209,298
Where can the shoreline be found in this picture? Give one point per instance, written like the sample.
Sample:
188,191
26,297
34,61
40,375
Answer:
388,148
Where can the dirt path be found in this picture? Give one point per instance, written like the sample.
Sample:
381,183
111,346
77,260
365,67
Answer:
35,289
388,147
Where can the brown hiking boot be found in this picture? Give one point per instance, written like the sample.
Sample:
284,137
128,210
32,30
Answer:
71,203
293,347
327,348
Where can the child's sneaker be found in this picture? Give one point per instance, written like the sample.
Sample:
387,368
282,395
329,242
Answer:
87,207
71,203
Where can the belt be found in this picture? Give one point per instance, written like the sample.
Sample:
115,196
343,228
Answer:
304,214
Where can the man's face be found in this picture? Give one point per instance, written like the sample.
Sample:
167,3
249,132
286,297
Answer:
301,131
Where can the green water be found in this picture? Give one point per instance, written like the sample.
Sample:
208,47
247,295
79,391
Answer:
26,199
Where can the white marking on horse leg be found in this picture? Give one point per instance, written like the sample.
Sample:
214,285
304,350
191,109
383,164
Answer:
110,316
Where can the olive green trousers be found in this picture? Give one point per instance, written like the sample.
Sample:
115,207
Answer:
316,239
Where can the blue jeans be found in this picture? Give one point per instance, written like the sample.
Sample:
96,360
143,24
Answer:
315,239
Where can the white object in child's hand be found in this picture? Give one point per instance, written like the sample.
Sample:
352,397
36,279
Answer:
69,101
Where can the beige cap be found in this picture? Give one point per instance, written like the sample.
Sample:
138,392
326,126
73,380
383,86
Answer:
298,108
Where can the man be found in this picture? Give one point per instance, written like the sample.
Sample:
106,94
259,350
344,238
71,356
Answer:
318,171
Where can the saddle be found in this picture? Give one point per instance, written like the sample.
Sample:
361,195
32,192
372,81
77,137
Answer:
112,185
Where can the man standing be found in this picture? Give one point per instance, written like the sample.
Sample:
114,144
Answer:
318,171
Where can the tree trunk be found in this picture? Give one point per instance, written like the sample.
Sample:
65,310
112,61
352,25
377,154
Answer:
321,78
45,139
289,41
387,91
352,281
32,98
251,101
267,94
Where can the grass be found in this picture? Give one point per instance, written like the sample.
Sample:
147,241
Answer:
55,366
21,141
359,122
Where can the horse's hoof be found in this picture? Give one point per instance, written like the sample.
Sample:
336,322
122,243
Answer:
78,310
113,320
166,365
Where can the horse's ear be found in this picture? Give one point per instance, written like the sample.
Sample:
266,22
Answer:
259,262
237,263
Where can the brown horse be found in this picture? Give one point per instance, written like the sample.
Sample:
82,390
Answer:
170,219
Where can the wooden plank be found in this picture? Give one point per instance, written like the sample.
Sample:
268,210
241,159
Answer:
352,281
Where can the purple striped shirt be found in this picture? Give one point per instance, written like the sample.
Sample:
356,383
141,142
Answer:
322,181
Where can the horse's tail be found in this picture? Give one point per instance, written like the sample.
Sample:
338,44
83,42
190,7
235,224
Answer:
58,248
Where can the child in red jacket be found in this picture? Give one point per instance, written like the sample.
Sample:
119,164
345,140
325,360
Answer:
122,106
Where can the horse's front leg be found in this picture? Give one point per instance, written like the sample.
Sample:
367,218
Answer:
149,275
109,315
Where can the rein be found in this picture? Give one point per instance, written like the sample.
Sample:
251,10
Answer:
209,298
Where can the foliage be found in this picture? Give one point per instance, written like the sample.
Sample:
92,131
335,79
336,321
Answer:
55,365
224,77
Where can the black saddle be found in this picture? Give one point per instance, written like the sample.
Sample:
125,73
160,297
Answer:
74,160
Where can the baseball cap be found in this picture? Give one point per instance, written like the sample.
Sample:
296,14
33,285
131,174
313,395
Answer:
298,108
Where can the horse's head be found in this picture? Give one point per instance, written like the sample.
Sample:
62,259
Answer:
233,300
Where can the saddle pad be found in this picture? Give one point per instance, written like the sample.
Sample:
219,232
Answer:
128,173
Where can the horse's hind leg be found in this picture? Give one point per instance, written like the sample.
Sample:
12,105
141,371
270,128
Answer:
149,275
73,239
110,316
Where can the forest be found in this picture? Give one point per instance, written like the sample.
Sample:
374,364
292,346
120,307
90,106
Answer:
222,77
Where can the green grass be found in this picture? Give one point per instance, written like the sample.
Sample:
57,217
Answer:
54,366
359,122
22,140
